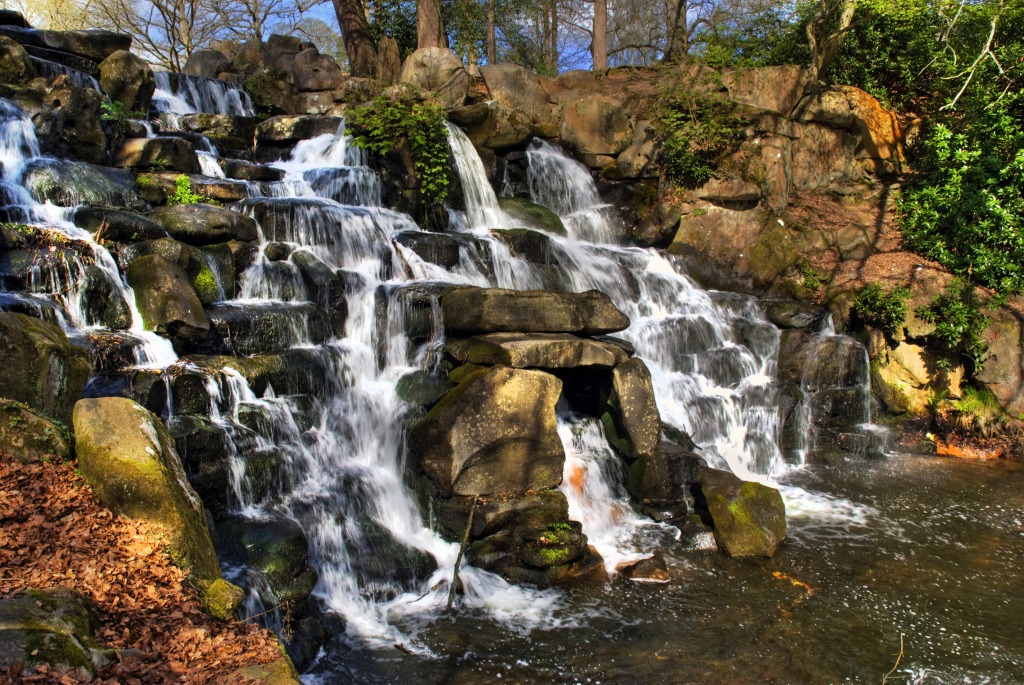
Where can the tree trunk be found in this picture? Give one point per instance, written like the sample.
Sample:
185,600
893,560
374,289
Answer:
355,30
492,50
599,47
429,32
825,32
679,38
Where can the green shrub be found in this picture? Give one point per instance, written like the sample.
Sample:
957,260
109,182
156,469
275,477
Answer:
885,310
117,117
978,411
381,123
959,324
809,277
697,129
183,193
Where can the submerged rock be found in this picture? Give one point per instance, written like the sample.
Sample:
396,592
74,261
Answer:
494,310
495,432
749,518
126,454
41,368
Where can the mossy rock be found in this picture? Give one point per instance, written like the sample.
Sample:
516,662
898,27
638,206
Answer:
222,599
749,518
126,454
54,627
277,672
532,214
41,367
422,388
30,436
276,548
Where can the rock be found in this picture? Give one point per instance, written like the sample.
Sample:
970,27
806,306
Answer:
440,71
222,126
325,288
518,88
247,171
532,214
43,369
292,128
533,246
793,314
277,548
493,126
117,225
16,68
222,600
664,481
94,44
389,61
164,152
70,184
633,423
495,310
55,628
653,569
910,376
595,125
206,63
314,71
102,301
729,191
71,124
422,388
436,248
269,327
777,88
822,157
29,436
749,518
127,456
203,224
278,672
127,79
659,227
495,432
638,160
166,300
535,350
12,18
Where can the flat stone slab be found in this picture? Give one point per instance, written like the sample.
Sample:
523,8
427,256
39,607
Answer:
536,350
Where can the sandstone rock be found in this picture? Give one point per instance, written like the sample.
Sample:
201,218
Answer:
43,369
749,518
223,599
1003,372
163,152
221,126
911,376
495,126
440,71
166,300
206,63
633,423
16,68
422,388
247,171
653,569
277,548
595,125
54,627
793,314
289,128
495,432
71,125
127,456
777,88
102,301
203,224
126,78
436,248
535,350
729,191
29,436
325,288
822,157
495,310
664,481
314,71
638,160
518,88
533,246
93,44
319,102
278,672
269,327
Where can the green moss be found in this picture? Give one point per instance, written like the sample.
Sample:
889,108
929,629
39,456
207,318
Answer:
222,599
556,556
146,182
205,285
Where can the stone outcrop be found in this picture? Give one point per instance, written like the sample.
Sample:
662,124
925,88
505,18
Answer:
439,71
633,423
203,224
28,435
495,310
126,78
126,455
536,350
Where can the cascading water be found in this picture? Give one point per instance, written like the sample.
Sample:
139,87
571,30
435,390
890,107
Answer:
50,70
185,94
18,148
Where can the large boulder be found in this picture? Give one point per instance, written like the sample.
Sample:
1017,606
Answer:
494,126
496,310
207,63
16,68
595,125
439,71
163,152
53,628
43,369
314,71
536,350
70,184
1003,372
518,88
203,224
633,423
71,124
494,433
777,88
532,214
93,44
117,225
749,518
166,300
293,128
29,436
127,456
127,78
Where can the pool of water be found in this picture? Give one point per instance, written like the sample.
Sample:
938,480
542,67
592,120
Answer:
924,549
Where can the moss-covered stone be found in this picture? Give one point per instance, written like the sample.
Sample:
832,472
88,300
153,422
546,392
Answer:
278,672
29,436
41,368
749,518
633,417
128,457
532,214
16,68
166,300
222,599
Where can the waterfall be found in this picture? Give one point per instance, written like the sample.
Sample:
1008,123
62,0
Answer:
50,70
18,147
186,94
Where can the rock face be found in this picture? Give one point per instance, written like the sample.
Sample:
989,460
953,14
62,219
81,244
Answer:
127,79
16,66
30,436
496,310
54,627
43,369
517,87
595,125
749,518
166,300
776,89
495,432
127,456
439,70
161,153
